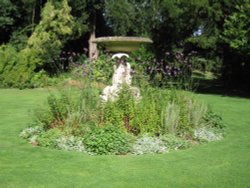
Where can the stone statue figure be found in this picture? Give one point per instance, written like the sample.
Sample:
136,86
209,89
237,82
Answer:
122,75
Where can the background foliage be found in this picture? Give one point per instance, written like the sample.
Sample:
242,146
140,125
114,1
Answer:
40,31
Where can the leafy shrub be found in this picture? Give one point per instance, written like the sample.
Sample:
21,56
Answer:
17,68
8,59
107,140
158,112
102,69
147,144
173,69
49,138
39,79
140,61
126,104
138,117
70,63
111,114
44,44
146,118
210,64
55,114
43,117
214,120
174,143
59,107
121,111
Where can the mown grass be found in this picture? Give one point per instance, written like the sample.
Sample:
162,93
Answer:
224,163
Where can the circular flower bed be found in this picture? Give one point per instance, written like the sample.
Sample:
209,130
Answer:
163,120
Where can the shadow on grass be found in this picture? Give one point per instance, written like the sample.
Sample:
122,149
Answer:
218,87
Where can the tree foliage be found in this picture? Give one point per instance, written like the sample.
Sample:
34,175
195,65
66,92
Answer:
218,30
237,29
55,28
8,15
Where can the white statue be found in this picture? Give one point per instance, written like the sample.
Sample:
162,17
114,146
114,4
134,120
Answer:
122,75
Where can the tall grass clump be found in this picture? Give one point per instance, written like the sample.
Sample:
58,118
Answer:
183,114
72,111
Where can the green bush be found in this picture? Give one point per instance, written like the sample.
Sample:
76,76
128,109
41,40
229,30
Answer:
56,112
203,64
59,108
111,114
8,59
26,67
140,61
102,69
17,68
148,112
39,79
49,138
214,120
43,117
157,112
107,140
138,117
121,111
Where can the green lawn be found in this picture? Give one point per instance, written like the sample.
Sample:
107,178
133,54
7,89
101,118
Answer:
224,163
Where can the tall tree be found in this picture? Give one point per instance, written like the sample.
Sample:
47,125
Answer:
8,15
55,28
236,35
237,29
133,17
